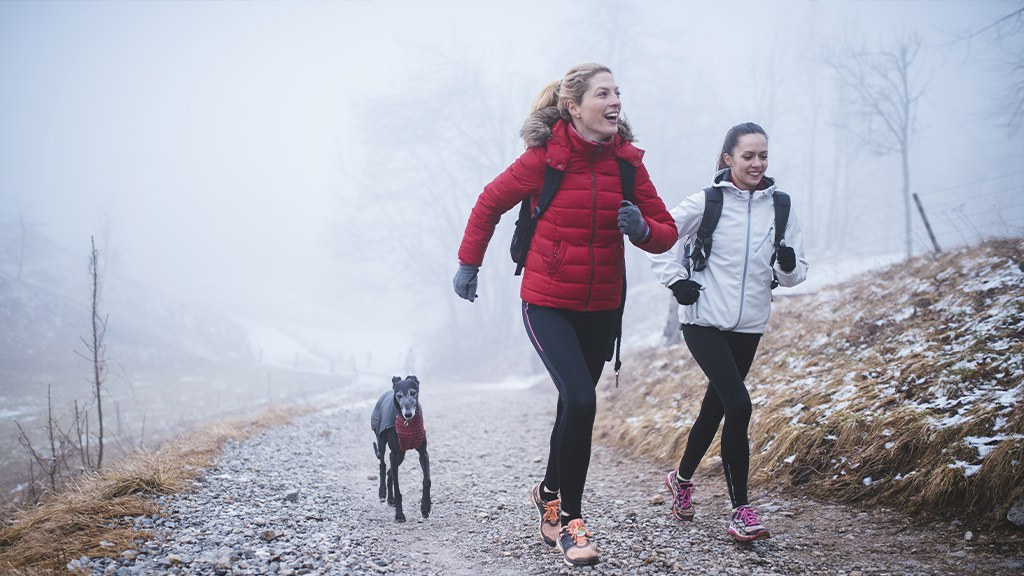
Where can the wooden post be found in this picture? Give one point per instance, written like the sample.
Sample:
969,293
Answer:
927,226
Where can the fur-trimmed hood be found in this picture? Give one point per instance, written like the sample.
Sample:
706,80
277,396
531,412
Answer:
536,130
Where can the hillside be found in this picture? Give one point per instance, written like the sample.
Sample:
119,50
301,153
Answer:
903,384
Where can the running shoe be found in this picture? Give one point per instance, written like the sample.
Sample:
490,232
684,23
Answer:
548,512
574,544
745,525
682,505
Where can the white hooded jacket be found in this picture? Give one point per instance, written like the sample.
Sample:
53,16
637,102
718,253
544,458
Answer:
737,283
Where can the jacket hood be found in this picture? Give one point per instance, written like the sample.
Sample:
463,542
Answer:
536,131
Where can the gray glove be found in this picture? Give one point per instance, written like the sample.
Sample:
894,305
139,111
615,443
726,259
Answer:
631,222
465,281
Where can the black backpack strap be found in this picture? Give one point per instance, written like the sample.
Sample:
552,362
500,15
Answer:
552,179
712,213
782,206
627,171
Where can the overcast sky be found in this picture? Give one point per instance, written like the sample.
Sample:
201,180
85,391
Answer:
223,141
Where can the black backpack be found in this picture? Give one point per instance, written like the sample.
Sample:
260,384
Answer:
713,211
526,225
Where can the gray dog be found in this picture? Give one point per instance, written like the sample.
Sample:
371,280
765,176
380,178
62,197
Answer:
397,422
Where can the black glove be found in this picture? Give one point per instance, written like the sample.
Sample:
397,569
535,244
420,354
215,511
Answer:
465,281
686,291
787,259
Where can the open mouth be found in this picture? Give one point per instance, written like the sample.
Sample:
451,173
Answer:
612,117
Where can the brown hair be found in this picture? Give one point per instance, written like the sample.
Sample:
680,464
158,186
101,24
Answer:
732,138
572,87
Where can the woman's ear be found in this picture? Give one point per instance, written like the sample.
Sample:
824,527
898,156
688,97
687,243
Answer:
572,108
728,160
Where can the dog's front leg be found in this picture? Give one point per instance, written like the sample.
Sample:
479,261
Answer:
396,459
381,492
425,467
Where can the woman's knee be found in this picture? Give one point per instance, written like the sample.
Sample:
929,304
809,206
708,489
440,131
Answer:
738,409
582,404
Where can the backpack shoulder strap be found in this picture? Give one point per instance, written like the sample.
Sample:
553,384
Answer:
627,171
782,205
708,222
552,179
528,218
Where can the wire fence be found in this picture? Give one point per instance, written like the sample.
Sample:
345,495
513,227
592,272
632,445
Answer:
961,214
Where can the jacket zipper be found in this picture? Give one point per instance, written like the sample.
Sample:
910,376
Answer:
746,261
593,226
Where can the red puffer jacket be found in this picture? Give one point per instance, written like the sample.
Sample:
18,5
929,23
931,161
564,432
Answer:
576,259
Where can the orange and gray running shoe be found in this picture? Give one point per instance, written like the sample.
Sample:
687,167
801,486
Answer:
682,505
745,525
548,512
574,544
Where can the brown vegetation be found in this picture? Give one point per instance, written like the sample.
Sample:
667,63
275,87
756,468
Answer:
95,517
903,385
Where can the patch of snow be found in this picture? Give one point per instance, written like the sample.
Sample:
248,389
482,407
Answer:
969,469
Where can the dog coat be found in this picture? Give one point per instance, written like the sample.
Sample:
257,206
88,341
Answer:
410,432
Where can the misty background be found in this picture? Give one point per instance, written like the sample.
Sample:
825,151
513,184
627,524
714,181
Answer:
277,191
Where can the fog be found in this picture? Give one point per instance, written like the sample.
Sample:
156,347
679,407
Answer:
308,167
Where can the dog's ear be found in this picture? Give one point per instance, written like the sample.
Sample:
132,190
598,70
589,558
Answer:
395,380
413,378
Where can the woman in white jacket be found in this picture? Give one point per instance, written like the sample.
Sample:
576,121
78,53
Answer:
724,304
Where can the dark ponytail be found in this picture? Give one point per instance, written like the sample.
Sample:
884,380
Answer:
732,138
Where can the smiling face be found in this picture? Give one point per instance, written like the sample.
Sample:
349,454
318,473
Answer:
596,116
748,161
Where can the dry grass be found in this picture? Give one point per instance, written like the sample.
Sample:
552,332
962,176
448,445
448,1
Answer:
871,390
94,518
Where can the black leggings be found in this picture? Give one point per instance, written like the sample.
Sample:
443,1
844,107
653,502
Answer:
574,347
725,358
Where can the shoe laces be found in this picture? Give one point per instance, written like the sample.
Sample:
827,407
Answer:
578,532
748,516
551,512
683,496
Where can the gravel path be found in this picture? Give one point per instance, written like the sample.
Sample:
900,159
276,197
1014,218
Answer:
302,499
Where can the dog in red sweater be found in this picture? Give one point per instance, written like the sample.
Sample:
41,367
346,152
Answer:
397,424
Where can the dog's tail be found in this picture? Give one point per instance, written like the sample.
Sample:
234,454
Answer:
375,452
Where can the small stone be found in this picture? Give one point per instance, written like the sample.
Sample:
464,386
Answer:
959,554
129,555
268,535
968,535
173,559
292,496
1016,513
656,500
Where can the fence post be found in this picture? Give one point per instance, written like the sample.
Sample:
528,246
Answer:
927,225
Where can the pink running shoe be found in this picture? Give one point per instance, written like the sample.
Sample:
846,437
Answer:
682,506
745,525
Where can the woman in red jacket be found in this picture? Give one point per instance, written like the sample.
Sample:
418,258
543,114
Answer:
572,286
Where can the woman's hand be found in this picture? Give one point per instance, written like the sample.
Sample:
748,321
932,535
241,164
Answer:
465,281
631,222
686,291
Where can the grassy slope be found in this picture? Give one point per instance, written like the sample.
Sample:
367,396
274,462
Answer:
903,385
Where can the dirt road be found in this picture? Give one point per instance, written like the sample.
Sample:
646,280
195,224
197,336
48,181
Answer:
302,499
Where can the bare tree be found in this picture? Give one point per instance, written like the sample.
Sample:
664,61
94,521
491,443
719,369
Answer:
880,92
97,349
1005,36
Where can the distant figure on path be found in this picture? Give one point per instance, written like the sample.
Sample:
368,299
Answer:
574,277
724,290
